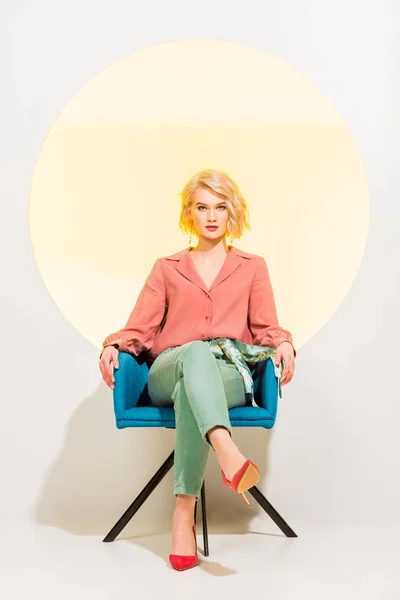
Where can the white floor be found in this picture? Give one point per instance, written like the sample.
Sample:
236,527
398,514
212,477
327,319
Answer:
45,562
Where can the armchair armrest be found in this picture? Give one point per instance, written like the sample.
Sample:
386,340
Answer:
130,381
266,386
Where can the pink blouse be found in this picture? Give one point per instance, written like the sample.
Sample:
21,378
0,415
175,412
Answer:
175,306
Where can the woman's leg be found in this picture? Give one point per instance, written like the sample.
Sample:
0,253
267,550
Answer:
202,389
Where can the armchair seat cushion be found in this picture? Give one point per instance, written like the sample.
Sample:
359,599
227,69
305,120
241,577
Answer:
152,416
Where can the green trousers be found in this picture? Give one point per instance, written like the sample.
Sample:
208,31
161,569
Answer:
201,388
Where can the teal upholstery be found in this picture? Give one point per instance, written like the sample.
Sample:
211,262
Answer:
134,408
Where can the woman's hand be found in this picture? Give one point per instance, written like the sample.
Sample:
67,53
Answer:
285,351
108,356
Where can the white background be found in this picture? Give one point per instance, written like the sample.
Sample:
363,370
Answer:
332,460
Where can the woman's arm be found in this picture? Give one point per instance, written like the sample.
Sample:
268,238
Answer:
147,314
263,318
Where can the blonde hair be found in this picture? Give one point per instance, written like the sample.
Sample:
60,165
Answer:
219,183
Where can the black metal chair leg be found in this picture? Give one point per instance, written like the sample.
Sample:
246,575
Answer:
137,503
270,510
155,480
204,519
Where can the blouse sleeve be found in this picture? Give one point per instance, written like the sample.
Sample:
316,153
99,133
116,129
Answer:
263,318
147,314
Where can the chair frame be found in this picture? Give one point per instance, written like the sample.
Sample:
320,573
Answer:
159,476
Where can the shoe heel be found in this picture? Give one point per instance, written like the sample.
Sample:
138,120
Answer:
246,477
244,498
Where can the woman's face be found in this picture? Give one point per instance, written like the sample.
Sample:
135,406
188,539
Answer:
209,209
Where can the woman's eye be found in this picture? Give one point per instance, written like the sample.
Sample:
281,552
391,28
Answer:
222,206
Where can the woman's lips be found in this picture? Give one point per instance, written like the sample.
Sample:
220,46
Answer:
212,227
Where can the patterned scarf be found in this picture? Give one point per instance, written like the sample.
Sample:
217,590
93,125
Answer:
238,353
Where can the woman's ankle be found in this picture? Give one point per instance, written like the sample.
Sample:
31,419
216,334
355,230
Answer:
184,507
220,439
228,454
223,444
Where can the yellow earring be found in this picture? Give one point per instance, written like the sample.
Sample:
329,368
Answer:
231,237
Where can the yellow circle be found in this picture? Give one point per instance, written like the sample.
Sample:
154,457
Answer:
104,198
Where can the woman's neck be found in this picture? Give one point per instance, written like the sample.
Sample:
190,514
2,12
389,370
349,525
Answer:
209,251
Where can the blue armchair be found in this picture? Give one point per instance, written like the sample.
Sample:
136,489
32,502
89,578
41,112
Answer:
133,408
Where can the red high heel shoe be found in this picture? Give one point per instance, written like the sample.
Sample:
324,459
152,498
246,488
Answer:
180,562
247,476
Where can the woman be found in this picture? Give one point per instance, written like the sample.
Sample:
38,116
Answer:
202,316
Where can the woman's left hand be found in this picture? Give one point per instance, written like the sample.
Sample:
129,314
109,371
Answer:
285,351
